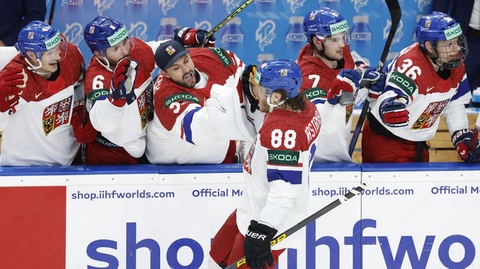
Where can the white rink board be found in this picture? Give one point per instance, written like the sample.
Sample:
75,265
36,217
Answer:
425,222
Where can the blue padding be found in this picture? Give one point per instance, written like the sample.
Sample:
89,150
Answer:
441,166
226,168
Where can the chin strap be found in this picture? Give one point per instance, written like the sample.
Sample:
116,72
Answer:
273,106
107,66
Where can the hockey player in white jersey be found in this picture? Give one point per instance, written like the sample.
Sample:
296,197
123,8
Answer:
425,80
41,99
276,171
119,87
199,107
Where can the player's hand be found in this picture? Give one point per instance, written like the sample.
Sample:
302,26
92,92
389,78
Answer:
192,37
343,87
247,78
461,139
257,245
394,111
123,80
12,83
372,79
82,127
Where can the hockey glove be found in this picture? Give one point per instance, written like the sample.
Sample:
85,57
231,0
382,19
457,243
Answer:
394,112
461,140
82,127
372,79
247,76
12,82
345,84
192,37
257,245
123,80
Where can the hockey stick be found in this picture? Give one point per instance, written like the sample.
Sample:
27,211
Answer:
52,11
395,15
277,239
228,18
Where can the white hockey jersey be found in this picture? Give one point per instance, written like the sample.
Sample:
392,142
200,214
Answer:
277,170
39,132
412,75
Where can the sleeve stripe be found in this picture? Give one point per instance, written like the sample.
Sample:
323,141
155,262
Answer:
187,125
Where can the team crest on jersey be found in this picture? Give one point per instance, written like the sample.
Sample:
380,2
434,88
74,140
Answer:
56,115
145,102
430,115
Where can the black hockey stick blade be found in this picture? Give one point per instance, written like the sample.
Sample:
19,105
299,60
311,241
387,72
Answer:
277,239
395,15
228,18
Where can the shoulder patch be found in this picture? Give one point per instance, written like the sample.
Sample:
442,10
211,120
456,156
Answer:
181,97
98,94
283,157
314,93
403,82
222,56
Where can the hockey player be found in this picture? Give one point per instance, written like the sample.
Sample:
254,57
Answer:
41,99
198,106
119,89
330,80
276,171
424,80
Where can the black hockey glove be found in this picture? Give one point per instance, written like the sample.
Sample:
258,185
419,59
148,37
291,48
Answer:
461,139
257,245
249,71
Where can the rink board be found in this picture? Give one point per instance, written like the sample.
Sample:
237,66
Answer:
412,216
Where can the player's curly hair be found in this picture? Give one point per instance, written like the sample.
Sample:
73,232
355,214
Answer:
298,103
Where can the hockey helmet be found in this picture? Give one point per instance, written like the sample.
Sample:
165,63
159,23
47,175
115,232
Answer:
323,23
38,37
103,33
281,74
439,26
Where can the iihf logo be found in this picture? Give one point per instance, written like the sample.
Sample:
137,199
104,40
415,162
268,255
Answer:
167,5
102,5
265,33
294,4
